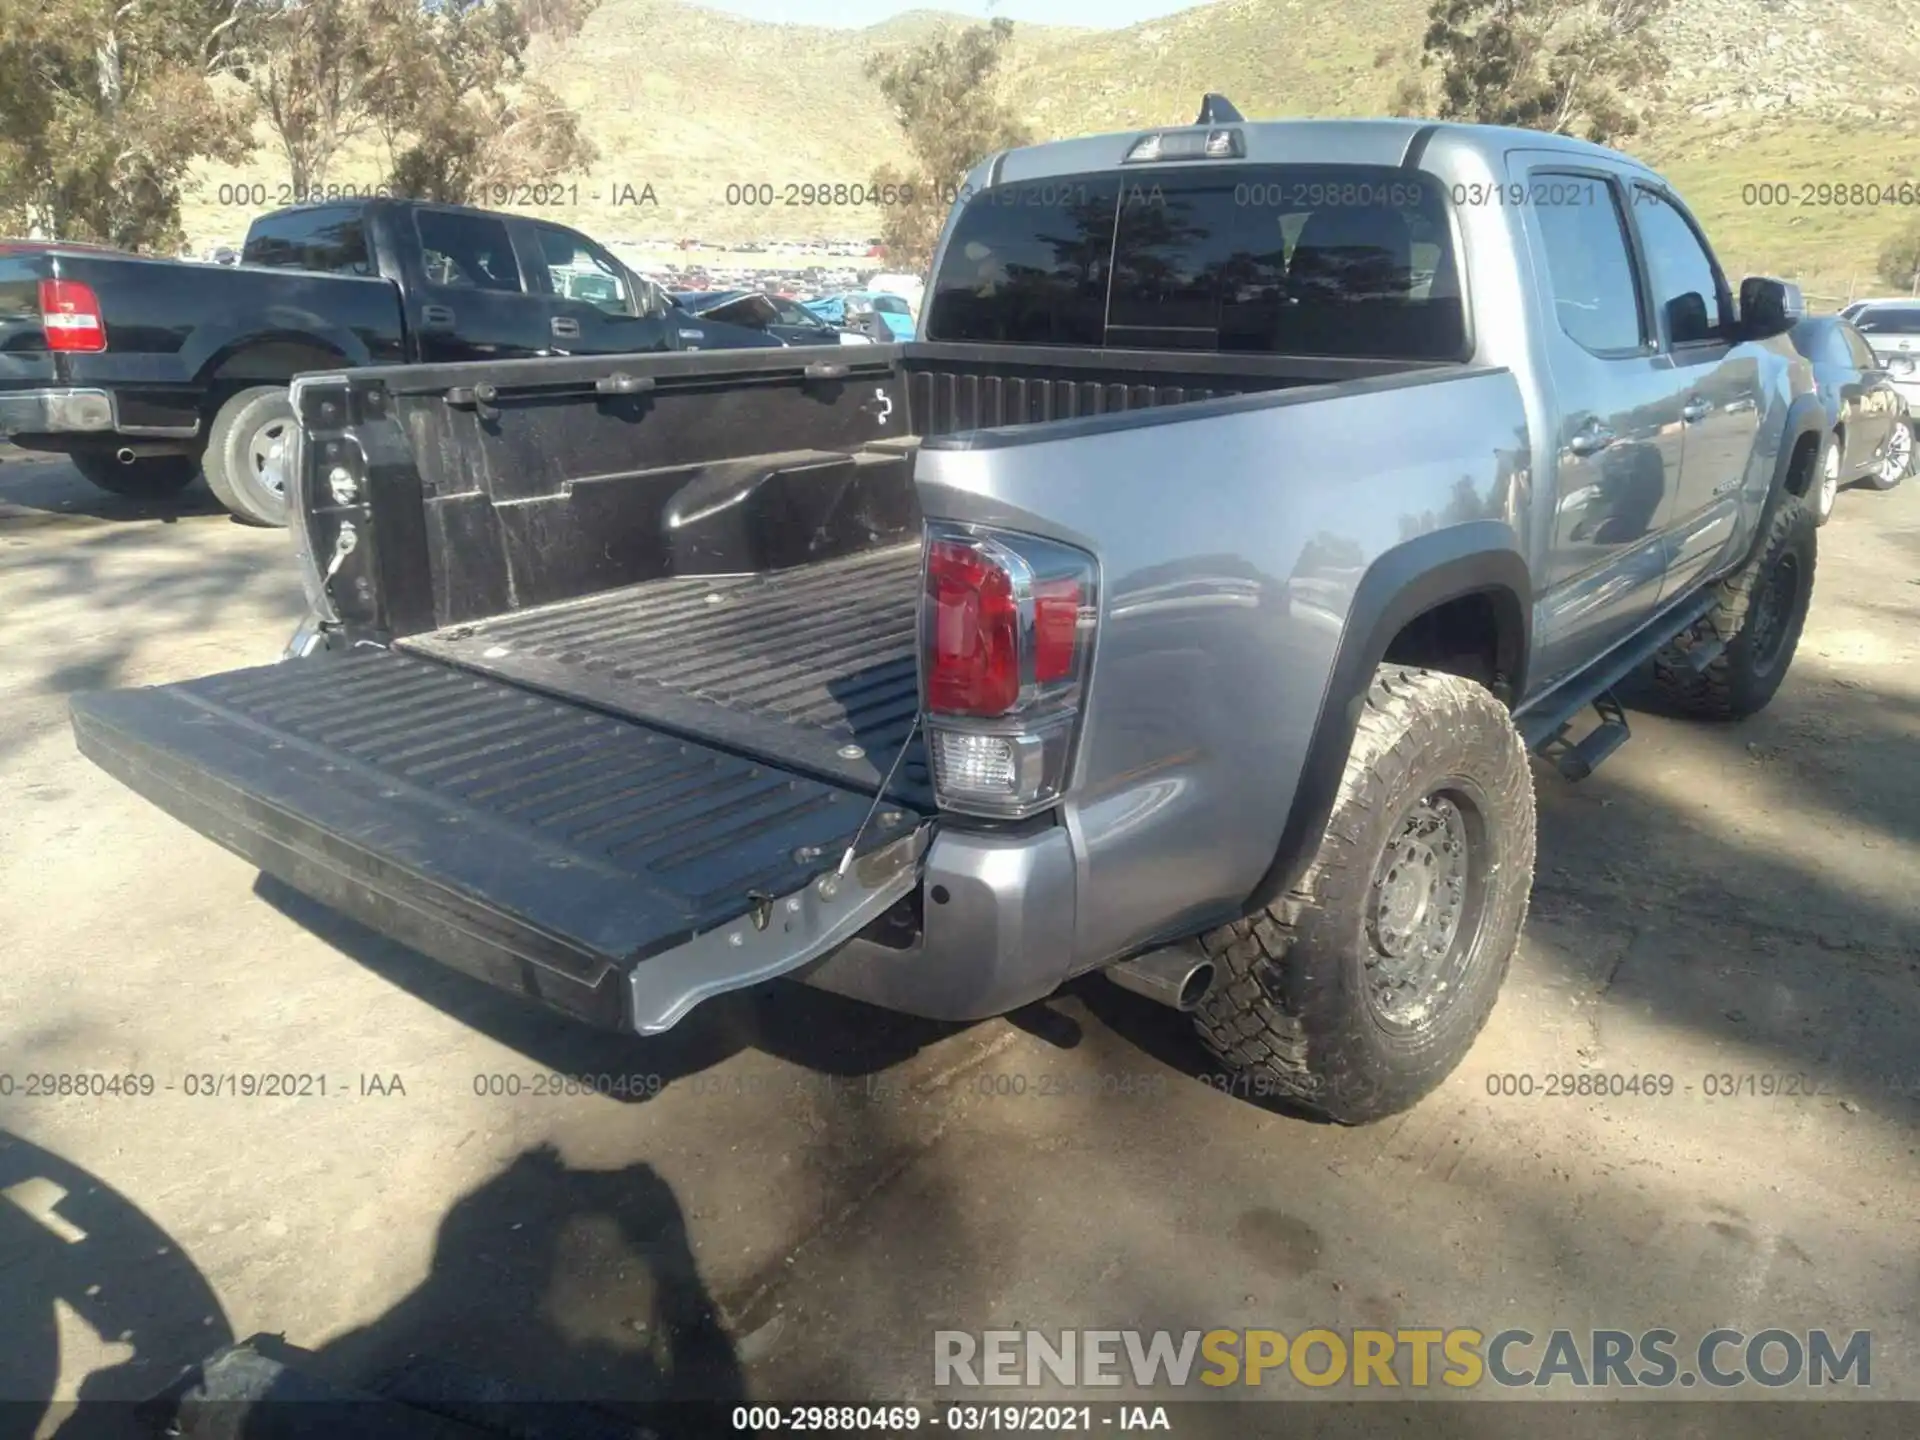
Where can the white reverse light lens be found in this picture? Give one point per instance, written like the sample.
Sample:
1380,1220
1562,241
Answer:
979,764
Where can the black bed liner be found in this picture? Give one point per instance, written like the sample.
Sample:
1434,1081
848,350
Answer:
811,667
543,846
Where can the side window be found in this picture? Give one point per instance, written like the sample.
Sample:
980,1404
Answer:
1858,351
1589,263
1689,296
471,252
331,239
580,270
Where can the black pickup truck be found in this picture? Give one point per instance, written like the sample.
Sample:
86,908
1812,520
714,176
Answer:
148,371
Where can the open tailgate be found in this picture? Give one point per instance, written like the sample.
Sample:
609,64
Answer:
605,867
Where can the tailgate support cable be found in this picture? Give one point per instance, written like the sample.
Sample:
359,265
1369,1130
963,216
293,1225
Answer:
880,794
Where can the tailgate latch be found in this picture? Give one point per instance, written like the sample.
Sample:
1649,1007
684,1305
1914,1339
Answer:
762,908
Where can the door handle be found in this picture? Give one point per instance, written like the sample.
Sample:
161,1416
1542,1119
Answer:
1592,440
436,317
566,327
1696,410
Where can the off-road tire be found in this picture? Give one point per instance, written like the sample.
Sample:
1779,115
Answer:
1744,676
154,477
231,471
1292,1006
1876,481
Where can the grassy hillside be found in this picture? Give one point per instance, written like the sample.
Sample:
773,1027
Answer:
690,100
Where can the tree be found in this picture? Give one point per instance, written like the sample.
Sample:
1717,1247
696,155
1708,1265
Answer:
1590,68
317,69
940,92
442,82
1900,259
106,106
461,114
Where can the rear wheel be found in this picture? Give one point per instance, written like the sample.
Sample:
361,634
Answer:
1897,463
1360,991
153,477
1759,613
249,448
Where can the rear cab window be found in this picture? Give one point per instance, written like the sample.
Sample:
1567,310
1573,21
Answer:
331,239
465,251
1352,261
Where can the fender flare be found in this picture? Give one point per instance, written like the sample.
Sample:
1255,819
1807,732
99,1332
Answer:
1481,557
1807,415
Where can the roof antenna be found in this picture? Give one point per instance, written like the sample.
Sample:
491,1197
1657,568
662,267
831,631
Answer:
1218,110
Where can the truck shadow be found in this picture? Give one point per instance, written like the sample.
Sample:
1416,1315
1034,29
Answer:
51,486
70,1241
573,1287
809,1028
581,1284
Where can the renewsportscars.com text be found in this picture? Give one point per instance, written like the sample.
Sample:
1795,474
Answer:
1456,1359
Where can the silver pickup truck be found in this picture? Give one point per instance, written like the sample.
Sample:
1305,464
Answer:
1182,602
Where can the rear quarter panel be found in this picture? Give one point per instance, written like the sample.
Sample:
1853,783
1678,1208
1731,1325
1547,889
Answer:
1232,539
172,323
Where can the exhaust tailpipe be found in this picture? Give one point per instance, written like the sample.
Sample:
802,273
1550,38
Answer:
125,455
1179,976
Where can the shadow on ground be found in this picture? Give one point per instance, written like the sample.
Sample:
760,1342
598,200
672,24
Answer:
68,1239
817,1031
50,486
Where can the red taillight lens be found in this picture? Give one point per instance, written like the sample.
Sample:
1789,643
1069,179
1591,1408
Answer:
1056,628
973,660
70,316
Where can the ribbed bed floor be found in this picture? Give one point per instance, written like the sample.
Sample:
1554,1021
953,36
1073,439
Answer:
812,667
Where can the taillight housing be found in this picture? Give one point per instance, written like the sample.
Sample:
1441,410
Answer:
70,317
1007,625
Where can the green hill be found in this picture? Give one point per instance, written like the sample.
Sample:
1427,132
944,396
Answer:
690,100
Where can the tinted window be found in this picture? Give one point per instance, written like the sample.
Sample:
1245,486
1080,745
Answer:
573,266
1589,263
467,251
1887,321
332,239
1859,353
1027,265
1306,260
1686,288
887,305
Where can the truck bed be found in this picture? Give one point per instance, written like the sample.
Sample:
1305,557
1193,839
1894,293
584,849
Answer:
812,667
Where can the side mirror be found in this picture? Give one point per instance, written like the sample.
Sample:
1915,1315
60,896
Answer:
1769,307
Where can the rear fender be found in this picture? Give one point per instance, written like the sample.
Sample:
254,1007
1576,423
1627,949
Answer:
1477,558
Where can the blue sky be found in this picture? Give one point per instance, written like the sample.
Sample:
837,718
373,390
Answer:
1108,14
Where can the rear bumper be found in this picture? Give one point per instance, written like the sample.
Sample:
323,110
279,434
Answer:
58,411
996,933
66,415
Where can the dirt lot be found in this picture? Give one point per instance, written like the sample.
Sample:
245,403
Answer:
814,1188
